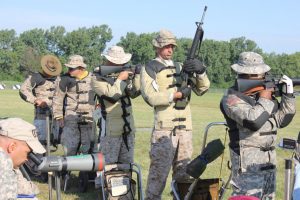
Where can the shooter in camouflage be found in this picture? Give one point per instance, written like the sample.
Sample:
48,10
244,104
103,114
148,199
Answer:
73,105
253,118
116,121
38,89
162,88
17,139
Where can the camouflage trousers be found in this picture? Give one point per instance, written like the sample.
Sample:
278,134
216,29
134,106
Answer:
41,127
115,150
75,134
258,183
168,149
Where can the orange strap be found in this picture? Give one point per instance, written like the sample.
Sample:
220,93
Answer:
253,90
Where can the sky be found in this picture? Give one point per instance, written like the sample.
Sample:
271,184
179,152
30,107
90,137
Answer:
273,24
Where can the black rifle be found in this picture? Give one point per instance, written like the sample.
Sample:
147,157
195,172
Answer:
110,70
197,41
269,82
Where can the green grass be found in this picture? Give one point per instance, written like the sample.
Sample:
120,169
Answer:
204,111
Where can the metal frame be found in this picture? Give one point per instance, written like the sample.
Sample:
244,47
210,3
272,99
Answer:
191,188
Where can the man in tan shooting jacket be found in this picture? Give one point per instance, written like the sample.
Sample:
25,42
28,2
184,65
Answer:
116,120
73,106
162,88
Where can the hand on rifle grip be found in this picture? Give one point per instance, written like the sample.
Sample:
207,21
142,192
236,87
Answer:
193,65
287,87
185,91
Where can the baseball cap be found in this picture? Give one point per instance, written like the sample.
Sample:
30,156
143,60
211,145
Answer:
18,129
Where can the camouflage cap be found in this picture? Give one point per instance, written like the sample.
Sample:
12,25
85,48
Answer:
51,65
164,38
75,61
116,54
250,63
19,129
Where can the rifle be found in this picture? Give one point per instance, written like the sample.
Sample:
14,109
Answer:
269,82
110,70
196,44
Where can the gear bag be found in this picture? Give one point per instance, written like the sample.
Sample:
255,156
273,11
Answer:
119,185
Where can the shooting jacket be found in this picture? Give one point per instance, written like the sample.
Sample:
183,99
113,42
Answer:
37,86
73,99
253,124
114,102
158,83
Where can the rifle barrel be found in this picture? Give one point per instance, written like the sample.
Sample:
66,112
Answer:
296,81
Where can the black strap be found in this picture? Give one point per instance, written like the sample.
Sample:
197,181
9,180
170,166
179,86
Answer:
268,133
270,148
268,167
180,119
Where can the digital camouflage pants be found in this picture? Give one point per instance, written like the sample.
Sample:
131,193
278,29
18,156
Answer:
168,149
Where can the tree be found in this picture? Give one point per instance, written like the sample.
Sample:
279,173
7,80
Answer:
140,46
35,38
87,42
54,39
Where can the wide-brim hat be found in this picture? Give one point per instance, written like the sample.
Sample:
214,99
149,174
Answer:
18,129
164,38
250,63
51,65
75,61
116,55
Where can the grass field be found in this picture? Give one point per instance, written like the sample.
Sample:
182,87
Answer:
204,111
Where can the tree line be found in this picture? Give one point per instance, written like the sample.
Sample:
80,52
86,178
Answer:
20,54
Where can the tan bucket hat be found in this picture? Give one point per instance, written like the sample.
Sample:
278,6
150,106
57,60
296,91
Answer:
19,129
250,63
164,38
116,54
75,61
51,65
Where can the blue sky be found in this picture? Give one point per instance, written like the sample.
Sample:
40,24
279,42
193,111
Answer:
273,24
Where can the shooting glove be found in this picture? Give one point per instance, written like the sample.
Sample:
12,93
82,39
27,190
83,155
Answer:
287,85
185,91
138,68
193,65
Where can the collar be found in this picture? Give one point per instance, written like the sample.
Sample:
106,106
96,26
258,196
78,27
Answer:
83,75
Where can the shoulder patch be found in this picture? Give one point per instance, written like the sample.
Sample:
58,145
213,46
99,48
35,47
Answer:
232,100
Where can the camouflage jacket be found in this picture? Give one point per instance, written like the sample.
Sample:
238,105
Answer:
115,104
253,124
36,86
73,99
25,186
159,81
8,178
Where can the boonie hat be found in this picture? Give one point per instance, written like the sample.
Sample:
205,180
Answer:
75,61
116,54
51,65
250,63
164,38
19,129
